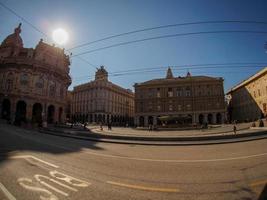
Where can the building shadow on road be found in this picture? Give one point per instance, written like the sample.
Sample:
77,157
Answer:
15,139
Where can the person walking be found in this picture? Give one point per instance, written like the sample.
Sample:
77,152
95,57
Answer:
234,129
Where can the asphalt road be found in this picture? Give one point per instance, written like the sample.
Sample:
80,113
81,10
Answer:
47,167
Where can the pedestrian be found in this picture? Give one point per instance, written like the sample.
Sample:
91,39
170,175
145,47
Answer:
234,129
101,127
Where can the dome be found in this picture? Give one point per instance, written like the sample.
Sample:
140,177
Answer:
14,39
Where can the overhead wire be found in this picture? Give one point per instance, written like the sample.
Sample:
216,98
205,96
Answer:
181,67
168,36
167,26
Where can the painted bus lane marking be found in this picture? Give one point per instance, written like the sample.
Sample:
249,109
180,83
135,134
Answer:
50,185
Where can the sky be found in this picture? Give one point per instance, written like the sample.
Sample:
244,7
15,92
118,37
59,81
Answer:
90,20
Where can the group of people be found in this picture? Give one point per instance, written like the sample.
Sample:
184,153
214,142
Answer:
108,125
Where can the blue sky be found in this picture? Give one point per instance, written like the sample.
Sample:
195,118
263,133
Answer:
91,20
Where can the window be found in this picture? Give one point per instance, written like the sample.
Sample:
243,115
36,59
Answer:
52,89
158,92
179,107
24,79
179,92
150,92
158,108
170,93
259,92
39,83
188,92
170,108
9,84
188,107
61,92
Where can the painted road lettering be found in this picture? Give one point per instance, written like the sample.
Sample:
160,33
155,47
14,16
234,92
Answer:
69,179
54,178
27,183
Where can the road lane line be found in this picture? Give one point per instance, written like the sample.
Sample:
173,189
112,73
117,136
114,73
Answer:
34,158
6,192
148,159
178,161
139,187
257,183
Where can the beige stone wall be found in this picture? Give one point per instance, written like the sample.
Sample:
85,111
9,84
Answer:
101,98
249,102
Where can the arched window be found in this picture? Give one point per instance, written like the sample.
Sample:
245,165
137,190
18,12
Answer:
39,83
52,89
24,79
61,92
9,82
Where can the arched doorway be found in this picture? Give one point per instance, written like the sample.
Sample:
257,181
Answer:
6,105
201,119
20,112
210,118
141,121
37,110
60,112
218,118
50,114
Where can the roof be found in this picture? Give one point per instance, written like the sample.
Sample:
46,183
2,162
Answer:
248,80
180,79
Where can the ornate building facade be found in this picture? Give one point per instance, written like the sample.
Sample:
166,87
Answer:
101,101
179,101
248,99
33,82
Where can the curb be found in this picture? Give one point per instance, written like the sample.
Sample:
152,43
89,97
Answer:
203,140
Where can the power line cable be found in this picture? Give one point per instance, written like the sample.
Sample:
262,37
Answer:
168,36
38,30
167,26
164,69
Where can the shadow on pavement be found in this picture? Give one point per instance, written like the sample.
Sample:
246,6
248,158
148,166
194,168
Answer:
15,139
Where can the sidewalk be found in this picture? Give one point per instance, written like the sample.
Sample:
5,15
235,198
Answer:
133,136
121,131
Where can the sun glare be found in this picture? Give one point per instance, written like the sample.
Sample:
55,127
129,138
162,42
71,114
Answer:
60,36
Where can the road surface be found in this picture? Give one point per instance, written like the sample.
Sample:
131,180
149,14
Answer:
39,166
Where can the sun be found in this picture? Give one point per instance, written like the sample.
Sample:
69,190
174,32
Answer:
60,36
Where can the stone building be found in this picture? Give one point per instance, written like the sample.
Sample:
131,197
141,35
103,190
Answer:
248,99
101,101
33,82
179,101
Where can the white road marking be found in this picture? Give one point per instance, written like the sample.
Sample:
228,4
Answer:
37,177
6,192
37,159
178,161
69,179
27,184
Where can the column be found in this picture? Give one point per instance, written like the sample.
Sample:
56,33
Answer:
29,111
136,121
13,105
214,118
154,120
146,121
205,118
